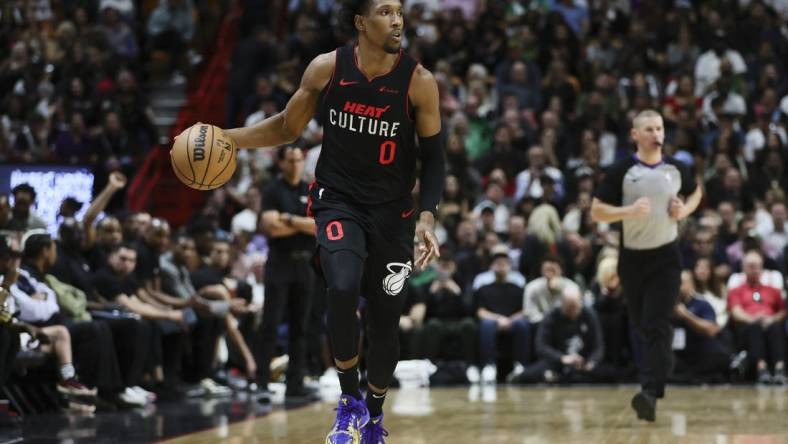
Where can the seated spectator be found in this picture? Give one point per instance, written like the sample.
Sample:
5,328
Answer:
709,288
213,314
545,235
543,294
700,356
500,311
22,219
108,237
411,323
115,282
529,181
106,335
38,301
569,344
449,331
612,313
758,312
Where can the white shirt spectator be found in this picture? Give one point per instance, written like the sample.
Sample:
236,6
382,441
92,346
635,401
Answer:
734,104
707,68
539,299
535,190
33,309
500,212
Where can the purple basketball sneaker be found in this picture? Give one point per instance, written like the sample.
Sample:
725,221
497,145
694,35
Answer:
352,416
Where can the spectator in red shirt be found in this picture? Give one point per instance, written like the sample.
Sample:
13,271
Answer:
758,312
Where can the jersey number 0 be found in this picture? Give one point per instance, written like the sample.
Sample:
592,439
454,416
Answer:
387,151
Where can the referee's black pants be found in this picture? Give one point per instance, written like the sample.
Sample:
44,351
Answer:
289,285
650,280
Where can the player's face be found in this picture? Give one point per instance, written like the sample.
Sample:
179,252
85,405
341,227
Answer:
383,24
649,133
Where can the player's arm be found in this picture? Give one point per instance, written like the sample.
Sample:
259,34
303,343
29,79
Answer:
287,126
423,94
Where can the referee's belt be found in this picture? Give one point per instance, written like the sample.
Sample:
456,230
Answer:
298,255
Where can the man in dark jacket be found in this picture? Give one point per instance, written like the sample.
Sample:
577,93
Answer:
569,344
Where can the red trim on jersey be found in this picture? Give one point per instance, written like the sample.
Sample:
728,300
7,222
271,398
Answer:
309,200
393,67
333,73
407,93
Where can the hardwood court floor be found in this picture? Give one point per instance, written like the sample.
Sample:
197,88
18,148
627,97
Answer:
533,415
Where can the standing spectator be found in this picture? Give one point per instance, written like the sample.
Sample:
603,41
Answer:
289,279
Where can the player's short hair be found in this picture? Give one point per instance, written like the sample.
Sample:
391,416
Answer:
349,9
645,114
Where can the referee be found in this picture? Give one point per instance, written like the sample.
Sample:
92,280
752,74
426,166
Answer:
289,279
642,191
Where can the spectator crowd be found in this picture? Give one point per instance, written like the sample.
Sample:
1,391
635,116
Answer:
536,98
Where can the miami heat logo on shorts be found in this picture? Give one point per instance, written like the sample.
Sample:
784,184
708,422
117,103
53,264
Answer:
394,282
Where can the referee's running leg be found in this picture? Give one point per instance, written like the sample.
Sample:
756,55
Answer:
650,280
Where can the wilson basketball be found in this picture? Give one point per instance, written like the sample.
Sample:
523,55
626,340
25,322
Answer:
203,157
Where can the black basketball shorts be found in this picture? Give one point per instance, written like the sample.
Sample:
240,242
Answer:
381,235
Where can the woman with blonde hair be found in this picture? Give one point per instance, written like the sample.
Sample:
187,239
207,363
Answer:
545,235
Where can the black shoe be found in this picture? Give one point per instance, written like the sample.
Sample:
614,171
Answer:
645,406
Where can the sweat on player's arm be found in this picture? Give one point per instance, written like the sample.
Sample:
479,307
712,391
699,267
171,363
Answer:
424,96
287,126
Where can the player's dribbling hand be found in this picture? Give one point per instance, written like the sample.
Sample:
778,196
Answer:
641,208
428,249
676,208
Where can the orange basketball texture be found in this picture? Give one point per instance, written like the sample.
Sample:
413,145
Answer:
203,157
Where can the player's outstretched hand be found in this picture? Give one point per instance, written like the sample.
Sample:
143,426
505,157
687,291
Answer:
428,250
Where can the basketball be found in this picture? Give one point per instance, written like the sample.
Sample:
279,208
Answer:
203,157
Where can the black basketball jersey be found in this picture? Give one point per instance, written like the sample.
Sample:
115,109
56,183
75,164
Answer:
369,145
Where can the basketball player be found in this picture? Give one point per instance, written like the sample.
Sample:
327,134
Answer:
642,191
374,100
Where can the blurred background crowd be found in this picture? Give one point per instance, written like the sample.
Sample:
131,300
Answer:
536,99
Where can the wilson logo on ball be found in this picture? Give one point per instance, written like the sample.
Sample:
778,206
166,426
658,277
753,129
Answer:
199,144
394,282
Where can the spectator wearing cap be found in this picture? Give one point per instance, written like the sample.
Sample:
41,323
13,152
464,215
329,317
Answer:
500,312
493,202
69,207
22,219
758,312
